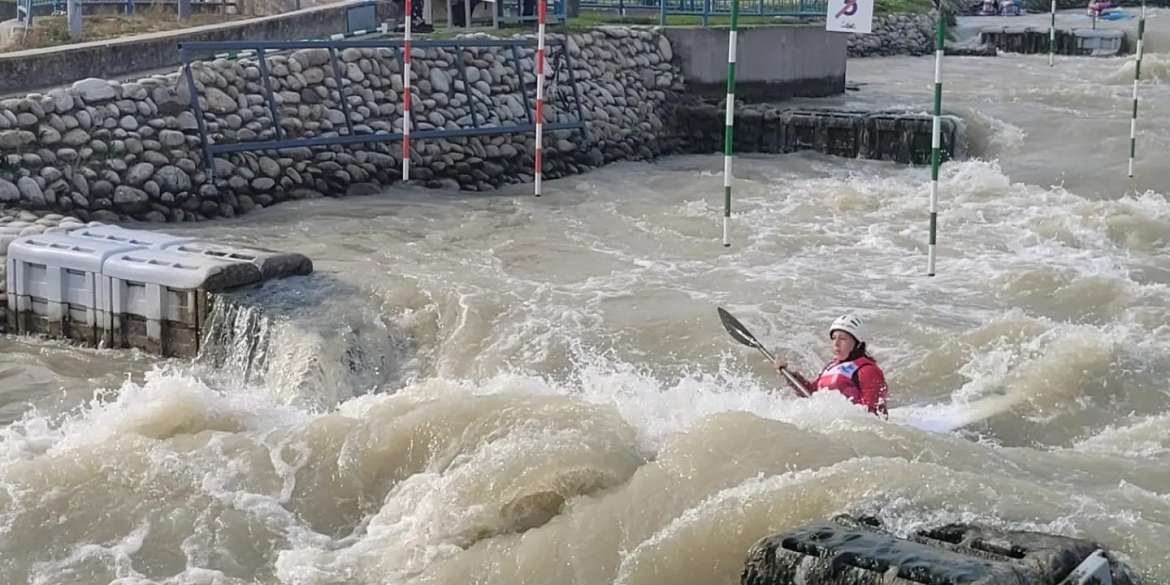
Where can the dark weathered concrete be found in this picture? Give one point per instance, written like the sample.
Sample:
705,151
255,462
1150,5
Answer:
772,62
848,551
40,69
977,51
893,136
1031,40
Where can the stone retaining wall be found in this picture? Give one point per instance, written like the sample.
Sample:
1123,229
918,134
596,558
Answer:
106,151
896,34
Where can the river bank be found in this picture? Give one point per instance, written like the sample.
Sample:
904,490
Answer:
106,151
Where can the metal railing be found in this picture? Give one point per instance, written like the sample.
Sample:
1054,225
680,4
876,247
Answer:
350,132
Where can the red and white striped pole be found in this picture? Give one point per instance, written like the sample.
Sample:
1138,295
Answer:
539,93
406,119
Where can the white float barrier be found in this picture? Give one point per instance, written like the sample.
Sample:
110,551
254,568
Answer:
115,233
109,286
54,284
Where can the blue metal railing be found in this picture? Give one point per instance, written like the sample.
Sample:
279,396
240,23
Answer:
282,137
709,8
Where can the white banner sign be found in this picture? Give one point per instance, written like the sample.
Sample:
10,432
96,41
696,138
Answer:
850,16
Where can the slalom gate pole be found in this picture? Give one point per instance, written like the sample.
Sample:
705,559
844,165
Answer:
539,170
1137,75
730,122
936,134
406,119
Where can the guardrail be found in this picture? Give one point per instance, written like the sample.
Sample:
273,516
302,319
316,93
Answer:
281,135
709,8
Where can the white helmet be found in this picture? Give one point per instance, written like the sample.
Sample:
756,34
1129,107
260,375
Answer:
852,325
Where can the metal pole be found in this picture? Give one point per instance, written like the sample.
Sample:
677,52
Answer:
730,122
1137,74
539,171
407,121
936,134
72,17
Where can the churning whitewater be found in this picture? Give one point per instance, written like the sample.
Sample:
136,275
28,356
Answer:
500,389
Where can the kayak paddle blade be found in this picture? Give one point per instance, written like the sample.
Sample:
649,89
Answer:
741,334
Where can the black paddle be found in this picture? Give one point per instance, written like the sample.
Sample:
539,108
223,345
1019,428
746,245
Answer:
741,334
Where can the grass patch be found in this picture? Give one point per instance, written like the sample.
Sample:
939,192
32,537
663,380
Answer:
902,6
52,31
590,20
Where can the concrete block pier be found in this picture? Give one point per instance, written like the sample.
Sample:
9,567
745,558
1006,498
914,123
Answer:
107,286
859,551
774,62
1076,34
1032,40
893,136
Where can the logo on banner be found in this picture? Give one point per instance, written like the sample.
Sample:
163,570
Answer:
852,16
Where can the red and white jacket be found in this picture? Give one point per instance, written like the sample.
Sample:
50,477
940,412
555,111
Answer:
860,380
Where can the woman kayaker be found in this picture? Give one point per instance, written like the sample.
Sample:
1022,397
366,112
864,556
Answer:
852,371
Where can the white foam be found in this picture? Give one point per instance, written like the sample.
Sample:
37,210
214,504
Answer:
628,323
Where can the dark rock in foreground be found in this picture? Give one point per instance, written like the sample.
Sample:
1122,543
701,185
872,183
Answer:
851,551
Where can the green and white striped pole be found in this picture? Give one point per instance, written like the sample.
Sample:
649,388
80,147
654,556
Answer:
1052,35
1137,74
936,133
730,122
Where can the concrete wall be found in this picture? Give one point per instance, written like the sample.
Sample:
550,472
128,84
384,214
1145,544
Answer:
40,69
773,62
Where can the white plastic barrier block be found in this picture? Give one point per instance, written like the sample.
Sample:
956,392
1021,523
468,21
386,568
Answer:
57,275
1098,43
271,264
150,288
133,237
